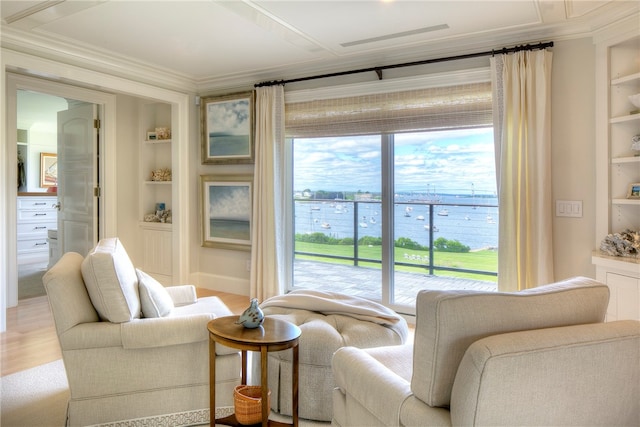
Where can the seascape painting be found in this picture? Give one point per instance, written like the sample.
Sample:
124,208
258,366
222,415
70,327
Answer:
227,211
228,129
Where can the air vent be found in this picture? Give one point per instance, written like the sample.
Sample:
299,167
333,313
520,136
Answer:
396,35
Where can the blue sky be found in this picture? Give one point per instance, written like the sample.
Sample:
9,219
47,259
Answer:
441,162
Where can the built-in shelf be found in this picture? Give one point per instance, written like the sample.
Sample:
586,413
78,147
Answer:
623,119
157,238
631,78
629,159
617,123
626,202
161,226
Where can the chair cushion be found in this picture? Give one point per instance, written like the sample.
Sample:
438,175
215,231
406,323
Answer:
154,298
448,322
111,281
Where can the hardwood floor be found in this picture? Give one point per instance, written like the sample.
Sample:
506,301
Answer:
31,340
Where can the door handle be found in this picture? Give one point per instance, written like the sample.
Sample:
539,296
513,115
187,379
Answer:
56,205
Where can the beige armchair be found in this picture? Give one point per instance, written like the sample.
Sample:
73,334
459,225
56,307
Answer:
537,357
131,347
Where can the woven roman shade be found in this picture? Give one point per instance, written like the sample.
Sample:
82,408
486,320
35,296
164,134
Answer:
437,108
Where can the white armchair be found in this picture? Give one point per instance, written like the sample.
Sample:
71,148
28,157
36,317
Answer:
123,364
537,357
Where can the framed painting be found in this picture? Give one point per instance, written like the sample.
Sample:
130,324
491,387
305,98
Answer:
48,169
633,191
227,124
226,211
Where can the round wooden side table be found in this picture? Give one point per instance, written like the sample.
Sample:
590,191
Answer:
273,335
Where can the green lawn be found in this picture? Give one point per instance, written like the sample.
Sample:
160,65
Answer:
483,260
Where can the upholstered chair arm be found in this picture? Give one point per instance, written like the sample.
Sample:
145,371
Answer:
91,335
370,383
573,375
183,294
165,331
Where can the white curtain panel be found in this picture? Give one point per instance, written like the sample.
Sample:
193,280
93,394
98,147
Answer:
522,94
267,256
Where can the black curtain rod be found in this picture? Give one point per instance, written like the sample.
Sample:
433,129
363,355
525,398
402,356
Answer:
378,70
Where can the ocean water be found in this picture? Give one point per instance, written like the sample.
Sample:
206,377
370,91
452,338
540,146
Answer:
229,145
230,229
473,222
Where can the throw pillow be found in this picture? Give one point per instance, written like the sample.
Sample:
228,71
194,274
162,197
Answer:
111,281
154,298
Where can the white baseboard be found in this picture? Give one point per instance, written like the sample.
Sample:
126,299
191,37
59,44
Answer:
215,282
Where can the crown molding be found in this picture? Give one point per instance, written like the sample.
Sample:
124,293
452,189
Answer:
624,28
85,57
72,52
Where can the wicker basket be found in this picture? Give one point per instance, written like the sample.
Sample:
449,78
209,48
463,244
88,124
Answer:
247,400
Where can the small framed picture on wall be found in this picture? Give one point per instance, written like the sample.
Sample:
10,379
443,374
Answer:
48,169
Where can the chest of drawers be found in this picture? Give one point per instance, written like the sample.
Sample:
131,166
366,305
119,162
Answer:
35,217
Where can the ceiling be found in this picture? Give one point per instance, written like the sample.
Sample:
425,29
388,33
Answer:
212,42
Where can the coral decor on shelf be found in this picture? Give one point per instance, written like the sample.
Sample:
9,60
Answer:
163,174
624,244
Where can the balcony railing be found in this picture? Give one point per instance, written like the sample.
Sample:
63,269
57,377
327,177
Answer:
420,223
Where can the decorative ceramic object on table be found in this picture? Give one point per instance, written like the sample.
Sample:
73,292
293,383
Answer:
252,317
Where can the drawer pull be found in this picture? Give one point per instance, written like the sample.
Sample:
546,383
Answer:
41,244
39,214
40,227
39,204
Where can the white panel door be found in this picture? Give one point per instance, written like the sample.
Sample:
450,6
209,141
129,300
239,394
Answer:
77,178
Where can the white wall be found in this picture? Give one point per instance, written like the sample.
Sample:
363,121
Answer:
212,268
40,141
573,151
127,187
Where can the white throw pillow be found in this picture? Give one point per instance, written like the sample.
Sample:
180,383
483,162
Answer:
111,281
154,298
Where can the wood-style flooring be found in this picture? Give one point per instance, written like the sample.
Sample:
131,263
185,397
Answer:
31,340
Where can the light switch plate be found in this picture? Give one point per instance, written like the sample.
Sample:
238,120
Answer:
569,208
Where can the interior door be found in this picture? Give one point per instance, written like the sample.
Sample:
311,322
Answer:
77,178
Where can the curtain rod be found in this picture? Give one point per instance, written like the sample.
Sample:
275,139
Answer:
378,70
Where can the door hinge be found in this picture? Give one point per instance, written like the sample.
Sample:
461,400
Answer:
96,191
96,123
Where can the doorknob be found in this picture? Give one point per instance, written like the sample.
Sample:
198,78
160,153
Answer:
56,205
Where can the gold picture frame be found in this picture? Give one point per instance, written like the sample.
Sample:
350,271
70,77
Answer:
227,128
48,170
226,202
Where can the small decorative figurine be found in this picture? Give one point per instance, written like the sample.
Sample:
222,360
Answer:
163,174
635,144
252,316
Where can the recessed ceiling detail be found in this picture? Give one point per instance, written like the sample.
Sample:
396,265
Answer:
396,35
219,44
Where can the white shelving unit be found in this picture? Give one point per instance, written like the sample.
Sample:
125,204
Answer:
157,239
617,121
